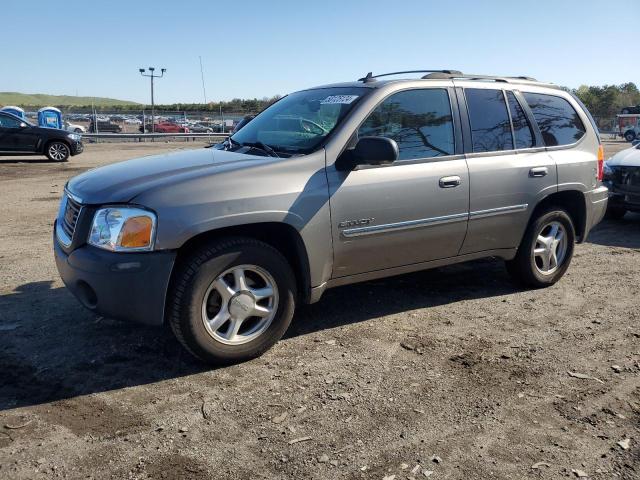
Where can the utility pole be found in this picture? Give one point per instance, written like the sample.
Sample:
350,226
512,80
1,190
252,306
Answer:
151,75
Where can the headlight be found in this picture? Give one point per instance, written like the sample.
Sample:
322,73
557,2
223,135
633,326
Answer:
74,136
606,169
123,229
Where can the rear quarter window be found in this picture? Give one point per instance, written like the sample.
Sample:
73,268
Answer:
558,121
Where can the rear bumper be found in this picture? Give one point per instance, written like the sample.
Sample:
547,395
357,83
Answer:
596,200
124,286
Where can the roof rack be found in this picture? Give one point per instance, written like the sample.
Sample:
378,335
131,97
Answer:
370,77
447,74
442,75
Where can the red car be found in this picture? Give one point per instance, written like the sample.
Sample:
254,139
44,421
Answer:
167,127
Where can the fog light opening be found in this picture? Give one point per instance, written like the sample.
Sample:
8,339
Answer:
86,294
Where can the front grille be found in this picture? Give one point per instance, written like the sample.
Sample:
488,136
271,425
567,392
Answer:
70,217
623,176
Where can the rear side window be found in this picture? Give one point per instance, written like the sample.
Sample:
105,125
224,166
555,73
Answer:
419,121
558,121
490,125
521,128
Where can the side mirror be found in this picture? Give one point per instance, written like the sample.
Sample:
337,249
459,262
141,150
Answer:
369,151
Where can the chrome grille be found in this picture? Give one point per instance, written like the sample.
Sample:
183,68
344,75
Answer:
70,217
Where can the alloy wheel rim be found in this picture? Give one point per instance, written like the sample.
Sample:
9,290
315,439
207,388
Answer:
240,304
58,151
550,248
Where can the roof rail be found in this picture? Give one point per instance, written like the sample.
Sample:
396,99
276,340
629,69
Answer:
370,77
446,75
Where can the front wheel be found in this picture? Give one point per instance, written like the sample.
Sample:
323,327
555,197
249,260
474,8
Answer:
545,251
58,151
232,300
630,136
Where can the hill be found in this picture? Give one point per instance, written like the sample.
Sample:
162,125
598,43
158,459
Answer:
43,100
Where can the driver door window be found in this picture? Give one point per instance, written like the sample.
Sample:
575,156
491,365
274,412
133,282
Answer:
420,122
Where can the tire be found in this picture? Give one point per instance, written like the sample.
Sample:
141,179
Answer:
629,136
195,296
527,268
615,213
77,130
57,151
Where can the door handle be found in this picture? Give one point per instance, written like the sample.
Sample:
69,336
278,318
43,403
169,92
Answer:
449,182
538,172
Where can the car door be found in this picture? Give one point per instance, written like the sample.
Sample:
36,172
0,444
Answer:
16,135
509,168
413,210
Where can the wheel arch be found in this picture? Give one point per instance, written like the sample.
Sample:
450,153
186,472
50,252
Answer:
281,236
573,202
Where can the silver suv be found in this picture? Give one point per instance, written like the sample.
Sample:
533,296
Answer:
330,186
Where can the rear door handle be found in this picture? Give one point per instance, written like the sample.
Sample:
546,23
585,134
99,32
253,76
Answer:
538,172
449,182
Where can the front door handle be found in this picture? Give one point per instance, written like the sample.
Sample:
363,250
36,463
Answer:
538,172
449,182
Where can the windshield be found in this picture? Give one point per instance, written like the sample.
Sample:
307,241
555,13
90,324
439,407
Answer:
299,122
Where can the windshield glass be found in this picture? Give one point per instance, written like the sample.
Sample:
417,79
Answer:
299,122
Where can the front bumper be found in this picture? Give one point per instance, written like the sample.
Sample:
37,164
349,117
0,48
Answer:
124,286
77,148
596,200
621,197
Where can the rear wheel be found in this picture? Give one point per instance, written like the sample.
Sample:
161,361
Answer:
232,300
615,213
545,251
58,151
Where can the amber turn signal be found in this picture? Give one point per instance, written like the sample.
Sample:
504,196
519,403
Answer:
136,232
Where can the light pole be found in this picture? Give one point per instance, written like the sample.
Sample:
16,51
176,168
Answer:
152,76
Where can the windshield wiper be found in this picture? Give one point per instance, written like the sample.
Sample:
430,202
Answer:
260,146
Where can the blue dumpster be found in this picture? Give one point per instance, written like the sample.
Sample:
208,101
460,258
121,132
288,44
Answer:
50,117
17,111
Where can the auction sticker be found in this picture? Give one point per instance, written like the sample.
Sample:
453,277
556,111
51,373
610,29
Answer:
344,99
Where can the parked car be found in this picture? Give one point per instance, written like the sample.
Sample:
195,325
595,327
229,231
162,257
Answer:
622,177
104,126
330,186
631,132
72,127
630,110
166,127
198,128
19,136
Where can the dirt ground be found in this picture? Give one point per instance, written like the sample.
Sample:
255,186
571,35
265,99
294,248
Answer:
452,371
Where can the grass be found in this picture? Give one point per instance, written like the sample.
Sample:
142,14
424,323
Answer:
43,100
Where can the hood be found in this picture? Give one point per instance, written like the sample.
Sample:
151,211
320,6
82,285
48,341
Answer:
626,158
122,182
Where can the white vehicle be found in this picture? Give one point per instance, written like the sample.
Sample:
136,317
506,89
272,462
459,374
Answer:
72,127
133,121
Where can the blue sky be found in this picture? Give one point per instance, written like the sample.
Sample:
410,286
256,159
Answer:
262,48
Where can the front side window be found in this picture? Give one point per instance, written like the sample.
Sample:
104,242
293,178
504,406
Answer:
521,128
300,122
419,121
558,121
9,122
490,125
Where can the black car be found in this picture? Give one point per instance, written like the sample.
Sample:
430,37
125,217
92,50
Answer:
630,110
104,127
19,136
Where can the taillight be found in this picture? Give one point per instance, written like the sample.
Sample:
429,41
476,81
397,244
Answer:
600,163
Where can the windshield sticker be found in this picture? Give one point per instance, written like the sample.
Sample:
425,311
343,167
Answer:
344,99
